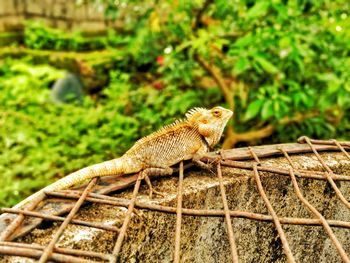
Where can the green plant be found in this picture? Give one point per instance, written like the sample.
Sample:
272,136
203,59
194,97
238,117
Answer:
39,36
281,65
42,141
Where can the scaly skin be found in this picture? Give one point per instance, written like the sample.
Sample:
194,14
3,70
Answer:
156,153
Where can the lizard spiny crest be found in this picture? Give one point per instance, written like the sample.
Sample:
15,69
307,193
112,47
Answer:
192,113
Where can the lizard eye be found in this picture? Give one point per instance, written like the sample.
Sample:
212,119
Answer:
217,113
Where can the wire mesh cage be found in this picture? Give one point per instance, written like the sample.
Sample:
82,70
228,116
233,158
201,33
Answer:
275,203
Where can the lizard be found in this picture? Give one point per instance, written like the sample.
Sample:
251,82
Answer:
185,139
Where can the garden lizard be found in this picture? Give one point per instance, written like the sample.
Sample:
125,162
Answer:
154,154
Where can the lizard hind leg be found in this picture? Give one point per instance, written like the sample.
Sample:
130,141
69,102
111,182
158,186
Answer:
154,172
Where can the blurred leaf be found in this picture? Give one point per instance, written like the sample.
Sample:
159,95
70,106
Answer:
267,110
259,9
241,65
266,65
244,41
253,109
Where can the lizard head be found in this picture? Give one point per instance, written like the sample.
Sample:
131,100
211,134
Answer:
210,123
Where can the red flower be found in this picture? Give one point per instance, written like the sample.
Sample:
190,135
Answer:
160,60
159,85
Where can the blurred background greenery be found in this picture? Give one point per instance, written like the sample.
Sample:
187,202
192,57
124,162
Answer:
281,65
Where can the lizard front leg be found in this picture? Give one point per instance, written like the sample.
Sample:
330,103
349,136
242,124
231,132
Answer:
146,173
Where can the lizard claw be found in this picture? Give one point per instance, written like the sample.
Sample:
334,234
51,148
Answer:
151,189
215,160
206,166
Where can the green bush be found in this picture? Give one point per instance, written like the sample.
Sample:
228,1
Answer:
39,36
42,141
281,65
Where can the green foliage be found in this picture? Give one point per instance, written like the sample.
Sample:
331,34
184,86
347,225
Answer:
38,36
42,141
293,58
285,61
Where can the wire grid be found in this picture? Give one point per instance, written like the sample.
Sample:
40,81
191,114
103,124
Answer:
52,252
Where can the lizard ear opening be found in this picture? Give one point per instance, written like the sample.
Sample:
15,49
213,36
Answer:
204,121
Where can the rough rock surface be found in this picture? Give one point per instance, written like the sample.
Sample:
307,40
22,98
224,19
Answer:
150,235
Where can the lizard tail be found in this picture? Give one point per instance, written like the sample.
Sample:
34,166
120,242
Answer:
111,167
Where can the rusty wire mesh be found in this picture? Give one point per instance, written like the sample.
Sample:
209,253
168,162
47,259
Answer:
8,246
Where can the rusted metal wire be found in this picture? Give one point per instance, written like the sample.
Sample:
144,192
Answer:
50,247
256,158
19,219
341,148
282,171
273,213
263,151
109,200
318,155
178,215
59,218
58,251
314,211
328,173
302,139
33,253
75,255
124,227
288,159
234,253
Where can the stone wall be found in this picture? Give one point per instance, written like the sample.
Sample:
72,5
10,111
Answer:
150,234
63,14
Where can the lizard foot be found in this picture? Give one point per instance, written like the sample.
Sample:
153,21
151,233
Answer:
206,166
151,189
155,171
